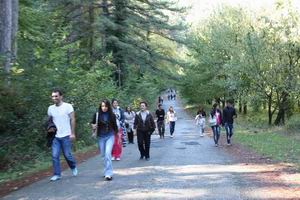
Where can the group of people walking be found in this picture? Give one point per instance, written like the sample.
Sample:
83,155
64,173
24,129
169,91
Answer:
217,119
111,126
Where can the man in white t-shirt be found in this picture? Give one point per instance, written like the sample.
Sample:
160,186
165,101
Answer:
64,119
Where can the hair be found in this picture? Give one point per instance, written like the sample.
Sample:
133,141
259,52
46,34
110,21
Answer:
159,105
230,101
108,105
214,109
56,90
113,100
144,102
129,108
200,110
170,109
112,118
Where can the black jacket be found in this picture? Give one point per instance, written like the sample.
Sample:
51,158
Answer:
228,114
104,126
147,126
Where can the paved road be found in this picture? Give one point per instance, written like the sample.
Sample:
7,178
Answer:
183,167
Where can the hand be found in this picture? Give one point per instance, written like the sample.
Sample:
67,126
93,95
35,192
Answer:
51,130
72,136
94,126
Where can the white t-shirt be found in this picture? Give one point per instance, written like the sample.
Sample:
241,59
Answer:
61,118
171,117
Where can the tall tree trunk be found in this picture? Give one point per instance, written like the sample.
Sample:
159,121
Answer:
240,105
104,35
245,108
270,113
91,35
6,34
283,106
15,18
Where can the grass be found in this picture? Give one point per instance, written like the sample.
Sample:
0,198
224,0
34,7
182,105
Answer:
40,163
277,146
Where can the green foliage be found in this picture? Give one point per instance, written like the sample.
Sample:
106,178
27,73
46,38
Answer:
251,59
293,123
81,47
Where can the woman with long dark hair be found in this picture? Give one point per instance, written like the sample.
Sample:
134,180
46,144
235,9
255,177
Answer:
105,128
215,120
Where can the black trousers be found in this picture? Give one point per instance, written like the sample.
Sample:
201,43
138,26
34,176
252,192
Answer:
144,139
161,128
130,136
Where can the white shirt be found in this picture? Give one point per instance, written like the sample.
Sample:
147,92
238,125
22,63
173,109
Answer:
61,118
171,117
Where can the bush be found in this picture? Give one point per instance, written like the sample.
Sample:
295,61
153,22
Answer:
293,123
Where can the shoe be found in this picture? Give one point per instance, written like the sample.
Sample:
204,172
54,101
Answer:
108,178
75,171
118,159
142,157
147,159
124,145
216,145
55,178
171,136
113,158
229,144
201,135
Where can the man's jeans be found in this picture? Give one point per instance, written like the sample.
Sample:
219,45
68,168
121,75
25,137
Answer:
216,132
64,144
229,131
105,144
161,128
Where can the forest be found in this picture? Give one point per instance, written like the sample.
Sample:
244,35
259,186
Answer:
133,50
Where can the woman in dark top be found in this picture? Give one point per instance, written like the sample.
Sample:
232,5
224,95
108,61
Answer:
105,127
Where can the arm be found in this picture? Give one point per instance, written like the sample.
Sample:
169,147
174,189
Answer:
73,124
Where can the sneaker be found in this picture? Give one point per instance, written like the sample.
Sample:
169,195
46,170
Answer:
108,178
201,135
147,159
74,171
55,178
171,136
142,157
216,145
228,144
118,159
113,158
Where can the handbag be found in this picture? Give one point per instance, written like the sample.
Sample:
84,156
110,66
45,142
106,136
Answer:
212,121
94,131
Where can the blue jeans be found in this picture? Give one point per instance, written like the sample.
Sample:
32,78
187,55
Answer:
172,127
64,144
229,131
216,132
105,144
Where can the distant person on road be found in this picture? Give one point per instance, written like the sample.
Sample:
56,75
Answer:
229,113
200,120
171,119
120,139
160,100
215,120
160,115
63,116
105,129
144,125
129,116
